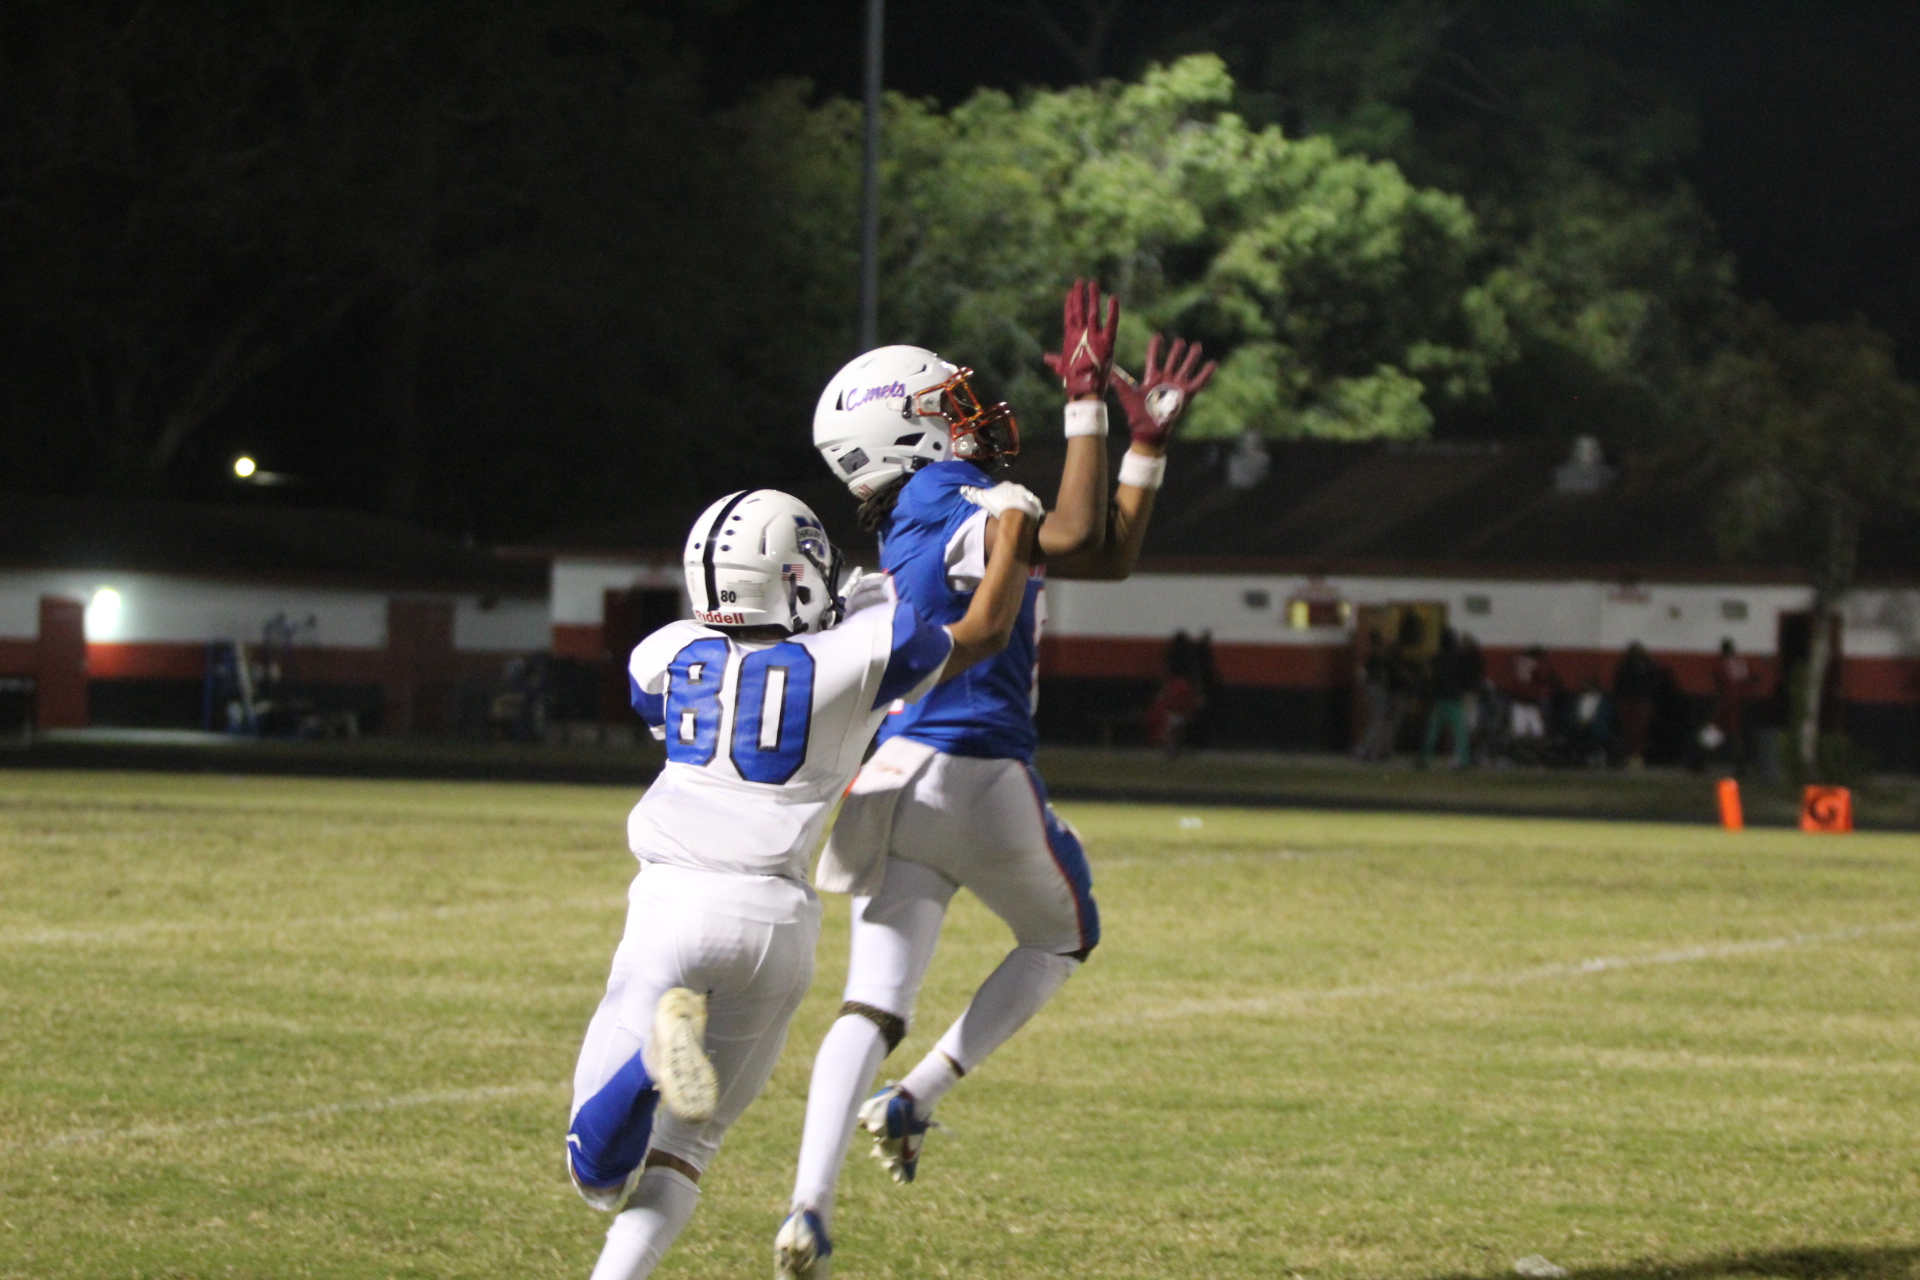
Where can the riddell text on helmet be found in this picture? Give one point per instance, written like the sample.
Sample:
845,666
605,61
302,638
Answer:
716,619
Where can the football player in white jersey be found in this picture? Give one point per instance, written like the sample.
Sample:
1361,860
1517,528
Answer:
766,702
951,798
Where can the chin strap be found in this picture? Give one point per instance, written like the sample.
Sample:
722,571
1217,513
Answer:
829,572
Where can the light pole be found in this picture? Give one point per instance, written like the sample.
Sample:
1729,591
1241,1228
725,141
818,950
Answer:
870,186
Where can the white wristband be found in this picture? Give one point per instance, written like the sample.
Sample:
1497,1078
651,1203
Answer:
1086,418
1141,471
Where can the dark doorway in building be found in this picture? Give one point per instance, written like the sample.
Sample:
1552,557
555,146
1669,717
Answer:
626,618
421,690
16,705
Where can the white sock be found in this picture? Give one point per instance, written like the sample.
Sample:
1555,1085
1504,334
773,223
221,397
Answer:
929,1081
842,1076
662,1203
1005,1002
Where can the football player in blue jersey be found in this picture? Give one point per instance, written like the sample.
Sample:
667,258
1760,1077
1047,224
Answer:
766,701
950,798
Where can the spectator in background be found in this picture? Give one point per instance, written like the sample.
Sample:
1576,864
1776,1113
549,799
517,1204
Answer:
1671,737
1493,722
1449,681
1405,676
1180,655
1635,682
1412,633
1591,732
1484,703
1476,671
1171,713
1207,676
1376,686
1536,692
1732,680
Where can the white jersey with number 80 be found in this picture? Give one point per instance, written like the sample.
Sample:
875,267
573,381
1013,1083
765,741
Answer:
763,737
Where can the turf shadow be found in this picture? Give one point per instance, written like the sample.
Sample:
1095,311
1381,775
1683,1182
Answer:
1815,1262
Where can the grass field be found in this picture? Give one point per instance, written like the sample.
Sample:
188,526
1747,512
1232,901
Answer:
273,1028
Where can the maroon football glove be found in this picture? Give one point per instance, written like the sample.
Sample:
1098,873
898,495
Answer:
1085,361
1156,402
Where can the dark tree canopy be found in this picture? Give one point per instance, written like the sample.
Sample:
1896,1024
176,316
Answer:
489,268
515,270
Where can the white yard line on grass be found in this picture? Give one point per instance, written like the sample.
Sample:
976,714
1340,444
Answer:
135,931
1216,854
447,1097
1281,1000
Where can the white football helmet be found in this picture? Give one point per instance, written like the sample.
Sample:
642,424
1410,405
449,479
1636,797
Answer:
759,558
893,410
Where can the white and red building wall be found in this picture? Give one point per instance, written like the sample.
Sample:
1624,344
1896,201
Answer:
1290,686
133,647
102,644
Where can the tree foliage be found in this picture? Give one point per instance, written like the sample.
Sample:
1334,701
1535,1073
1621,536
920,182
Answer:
1343,299
1815,435
1609,272
490,268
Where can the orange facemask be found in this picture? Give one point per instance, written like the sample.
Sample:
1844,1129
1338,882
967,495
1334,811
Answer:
980,434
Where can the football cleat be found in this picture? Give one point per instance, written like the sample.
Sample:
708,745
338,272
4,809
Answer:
676,1056
801,1248
897,1132
611,1199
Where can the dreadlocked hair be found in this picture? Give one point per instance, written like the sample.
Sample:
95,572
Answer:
879,504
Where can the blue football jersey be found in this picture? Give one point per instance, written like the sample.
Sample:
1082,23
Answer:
933,545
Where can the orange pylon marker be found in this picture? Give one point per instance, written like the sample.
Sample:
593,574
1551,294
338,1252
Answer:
1730,816
1827,809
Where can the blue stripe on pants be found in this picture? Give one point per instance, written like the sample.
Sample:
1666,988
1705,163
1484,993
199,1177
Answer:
610,1132
1064,845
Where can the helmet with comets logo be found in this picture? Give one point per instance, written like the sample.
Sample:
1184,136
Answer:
893,410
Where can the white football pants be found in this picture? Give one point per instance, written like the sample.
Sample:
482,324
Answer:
980,824
746,943
984,824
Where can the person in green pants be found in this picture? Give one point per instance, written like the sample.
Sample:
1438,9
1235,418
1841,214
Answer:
1449,681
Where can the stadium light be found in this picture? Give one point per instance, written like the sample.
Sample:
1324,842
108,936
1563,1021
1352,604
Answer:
103,614
247,470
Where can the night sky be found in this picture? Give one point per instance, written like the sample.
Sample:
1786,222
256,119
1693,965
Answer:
1809,112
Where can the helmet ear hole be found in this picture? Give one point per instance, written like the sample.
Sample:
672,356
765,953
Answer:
805,594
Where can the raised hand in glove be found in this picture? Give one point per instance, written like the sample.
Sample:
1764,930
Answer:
1004,497
1156,401
1085,359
